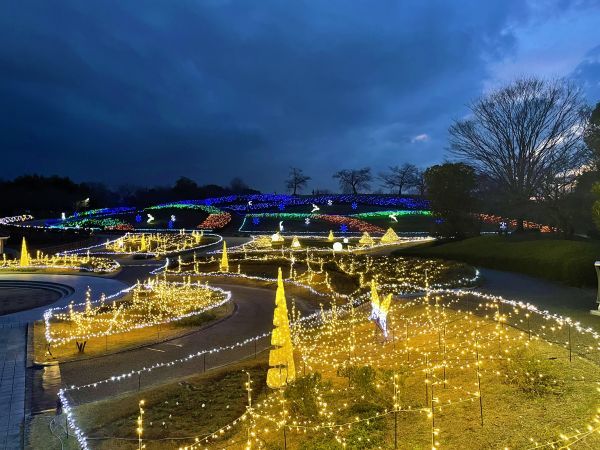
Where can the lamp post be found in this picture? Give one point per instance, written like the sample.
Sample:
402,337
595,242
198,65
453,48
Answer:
597,267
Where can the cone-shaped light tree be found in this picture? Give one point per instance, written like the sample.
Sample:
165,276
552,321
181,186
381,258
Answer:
295,242
366,239
224,266
389,237
25,260
330,238
281,358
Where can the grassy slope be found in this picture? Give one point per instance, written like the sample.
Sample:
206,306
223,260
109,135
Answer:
567,261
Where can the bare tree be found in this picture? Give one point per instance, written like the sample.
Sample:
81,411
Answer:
420,184
555,195
524,134
397,178
296,180
592,135
354,179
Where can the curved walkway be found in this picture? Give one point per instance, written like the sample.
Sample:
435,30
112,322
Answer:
253,316
555,297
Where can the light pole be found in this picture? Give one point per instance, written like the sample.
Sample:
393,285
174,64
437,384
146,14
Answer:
597,267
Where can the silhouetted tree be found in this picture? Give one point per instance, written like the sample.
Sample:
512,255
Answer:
353,180
399,177
420,185
296,180
186,188
523,135
239,186
450,189
40,195
592,135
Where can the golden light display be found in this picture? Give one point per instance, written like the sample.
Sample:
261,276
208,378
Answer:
295,243
146,304
366,239
155,243
281,357
57,262
322,244
24,261
390,237
442,368
224,266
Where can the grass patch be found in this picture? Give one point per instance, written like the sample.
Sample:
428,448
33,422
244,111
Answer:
194,406
567,261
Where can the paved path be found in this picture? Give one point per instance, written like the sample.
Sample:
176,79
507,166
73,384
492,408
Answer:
12,385
555,297
254,316
13,349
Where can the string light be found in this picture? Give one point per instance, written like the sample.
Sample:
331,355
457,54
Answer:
42,262
430,332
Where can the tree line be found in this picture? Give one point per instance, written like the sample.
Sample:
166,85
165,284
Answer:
397,180
51,195
529,150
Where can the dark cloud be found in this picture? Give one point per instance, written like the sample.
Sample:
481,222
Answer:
587,74
145,91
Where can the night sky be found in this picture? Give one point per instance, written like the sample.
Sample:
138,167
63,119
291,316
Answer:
142,92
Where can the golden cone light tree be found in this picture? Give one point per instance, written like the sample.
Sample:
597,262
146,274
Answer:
330,237
366,239
295,242
25,260
282,369
389,237
224,260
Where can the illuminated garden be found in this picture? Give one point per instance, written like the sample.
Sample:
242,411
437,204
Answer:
358,346
393,356
308,225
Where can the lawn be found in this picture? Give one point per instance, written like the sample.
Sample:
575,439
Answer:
567,261
196,405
